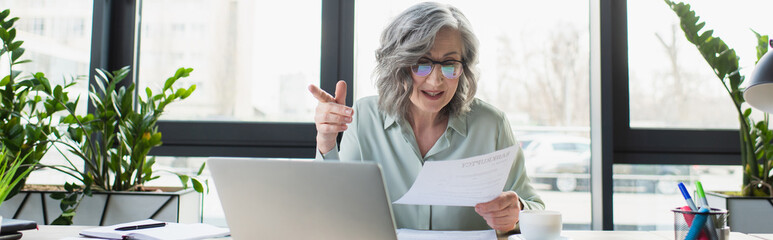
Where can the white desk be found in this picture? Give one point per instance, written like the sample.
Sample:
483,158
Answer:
47,232
733,235
616,235
639,235
763,235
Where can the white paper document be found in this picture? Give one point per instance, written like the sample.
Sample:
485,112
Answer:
464,182
410,234
170,231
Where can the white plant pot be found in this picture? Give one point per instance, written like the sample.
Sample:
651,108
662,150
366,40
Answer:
745,214
108,208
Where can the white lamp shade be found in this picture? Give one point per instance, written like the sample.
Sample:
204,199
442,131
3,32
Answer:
759,94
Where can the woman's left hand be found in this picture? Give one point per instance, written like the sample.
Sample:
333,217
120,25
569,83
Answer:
501,213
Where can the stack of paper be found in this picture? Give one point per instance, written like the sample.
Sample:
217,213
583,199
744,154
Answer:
410,234
169,231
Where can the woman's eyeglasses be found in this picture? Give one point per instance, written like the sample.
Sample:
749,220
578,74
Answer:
451,69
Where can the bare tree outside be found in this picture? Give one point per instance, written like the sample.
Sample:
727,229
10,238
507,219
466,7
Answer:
549,83
662,99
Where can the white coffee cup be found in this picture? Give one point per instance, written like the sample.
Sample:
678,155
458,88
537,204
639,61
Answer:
540,225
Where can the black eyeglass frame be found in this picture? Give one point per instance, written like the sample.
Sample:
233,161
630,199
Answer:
432,66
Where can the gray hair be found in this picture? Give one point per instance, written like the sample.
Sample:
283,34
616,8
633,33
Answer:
410,36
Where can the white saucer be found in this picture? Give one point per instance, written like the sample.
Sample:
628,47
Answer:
518,237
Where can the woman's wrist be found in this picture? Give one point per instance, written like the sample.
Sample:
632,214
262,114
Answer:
325,144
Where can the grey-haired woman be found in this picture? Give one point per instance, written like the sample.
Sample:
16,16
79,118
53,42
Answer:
426,110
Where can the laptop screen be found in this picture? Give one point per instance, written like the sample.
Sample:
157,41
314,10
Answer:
280,199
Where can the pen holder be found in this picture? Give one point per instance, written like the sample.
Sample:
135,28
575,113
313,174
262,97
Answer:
683,220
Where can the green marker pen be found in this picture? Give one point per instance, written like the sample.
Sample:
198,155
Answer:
705,204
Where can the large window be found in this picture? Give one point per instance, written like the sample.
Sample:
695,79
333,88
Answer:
252,60
534,67
671,85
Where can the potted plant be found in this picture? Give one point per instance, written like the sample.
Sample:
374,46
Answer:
110,144
753,204
114,142
111,165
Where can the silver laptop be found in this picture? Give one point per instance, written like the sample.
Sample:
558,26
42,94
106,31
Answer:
284,199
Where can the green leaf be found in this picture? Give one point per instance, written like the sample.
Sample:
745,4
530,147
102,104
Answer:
57,195
100,78
16,53
87,181
126,103
183,180
72,105
11,34
187,72
69,187
58,91
155,140
14,45
22,61
179,73
197,185
68,214
201,169
762,45
44,83
4,14
4,35
9,24
5,81
169,82
700,26
15,73
148,165
179,93
62,220
188,92
120,74
705,35
64,204
49,107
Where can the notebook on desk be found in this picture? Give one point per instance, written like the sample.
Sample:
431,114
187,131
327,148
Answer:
10,228
283,199
164,231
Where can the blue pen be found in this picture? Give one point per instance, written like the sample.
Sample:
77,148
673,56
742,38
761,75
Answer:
697,224
687,197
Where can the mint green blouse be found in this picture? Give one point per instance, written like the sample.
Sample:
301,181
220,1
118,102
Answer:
374,136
